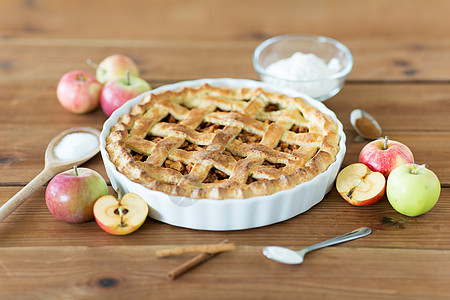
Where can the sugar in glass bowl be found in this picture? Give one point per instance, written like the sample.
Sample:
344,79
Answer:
311,64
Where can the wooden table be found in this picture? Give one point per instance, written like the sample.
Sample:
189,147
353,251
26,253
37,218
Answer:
401,76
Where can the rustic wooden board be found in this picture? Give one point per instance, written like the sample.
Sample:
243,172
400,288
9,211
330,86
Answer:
397,107
33,225
134,272
416,115
223,19
384,60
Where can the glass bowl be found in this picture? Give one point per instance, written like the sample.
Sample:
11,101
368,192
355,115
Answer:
337,59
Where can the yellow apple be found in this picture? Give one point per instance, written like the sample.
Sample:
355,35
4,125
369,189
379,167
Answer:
120,216
114,66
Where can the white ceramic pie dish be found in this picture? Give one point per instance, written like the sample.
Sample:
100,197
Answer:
229,214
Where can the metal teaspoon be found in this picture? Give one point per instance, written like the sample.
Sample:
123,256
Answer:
288,256
357,114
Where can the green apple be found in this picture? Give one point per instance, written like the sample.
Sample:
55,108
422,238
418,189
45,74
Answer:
412,190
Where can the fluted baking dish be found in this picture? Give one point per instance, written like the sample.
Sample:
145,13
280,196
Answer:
228,214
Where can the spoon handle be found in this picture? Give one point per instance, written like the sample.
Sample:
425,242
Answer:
12,204
360,232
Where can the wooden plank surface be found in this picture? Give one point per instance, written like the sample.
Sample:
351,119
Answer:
375,59
33,225
223,19
63,256
415,114
340,271
401,76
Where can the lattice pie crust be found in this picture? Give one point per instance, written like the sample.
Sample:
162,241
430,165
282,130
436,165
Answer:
222,143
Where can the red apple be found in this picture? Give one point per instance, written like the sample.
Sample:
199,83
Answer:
119,90
120,217
384,155
360,186
78,91
70,196
115,66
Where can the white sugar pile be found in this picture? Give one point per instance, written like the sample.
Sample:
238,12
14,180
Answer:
75,145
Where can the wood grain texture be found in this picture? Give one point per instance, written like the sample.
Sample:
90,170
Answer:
401,75
341,271
33,225
384,60
417,115
223,19
201,38
82,261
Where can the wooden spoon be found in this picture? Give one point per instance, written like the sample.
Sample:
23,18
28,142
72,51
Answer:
53,166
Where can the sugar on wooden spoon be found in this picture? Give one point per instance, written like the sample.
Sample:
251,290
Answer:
71,147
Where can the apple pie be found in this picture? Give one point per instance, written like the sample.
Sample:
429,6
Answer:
221,143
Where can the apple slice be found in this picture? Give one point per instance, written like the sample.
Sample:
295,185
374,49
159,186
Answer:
360,186
120,217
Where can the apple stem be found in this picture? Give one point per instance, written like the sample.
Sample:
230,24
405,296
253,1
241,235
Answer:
128,78
119,194
416,170
386,139
120,209
75,169
91,63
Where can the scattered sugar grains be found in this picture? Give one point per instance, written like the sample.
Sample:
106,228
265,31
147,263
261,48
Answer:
75,145
303,67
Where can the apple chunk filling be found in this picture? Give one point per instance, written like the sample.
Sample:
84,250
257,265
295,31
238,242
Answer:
299,129
138,156
209,127
188,146
271,107
215,175
286,147
247,137
169,119
178,166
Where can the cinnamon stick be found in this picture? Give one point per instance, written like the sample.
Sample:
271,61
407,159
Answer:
191,263
207,248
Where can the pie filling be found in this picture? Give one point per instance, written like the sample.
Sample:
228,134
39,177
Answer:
222,143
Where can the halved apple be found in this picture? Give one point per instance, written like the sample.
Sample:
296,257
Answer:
120,216
360,186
